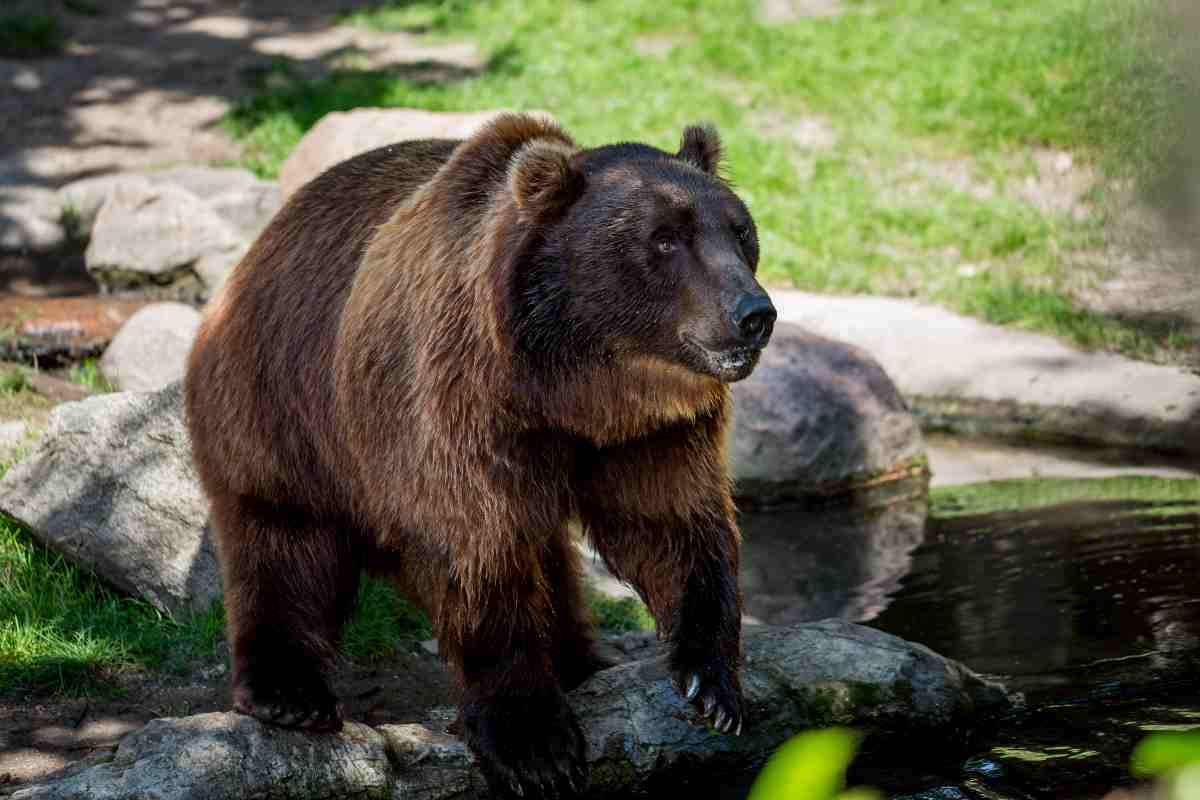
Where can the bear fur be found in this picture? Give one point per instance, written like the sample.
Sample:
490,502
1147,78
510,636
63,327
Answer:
436,356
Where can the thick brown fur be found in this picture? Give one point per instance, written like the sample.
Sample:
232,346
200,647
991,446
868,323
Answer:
370,392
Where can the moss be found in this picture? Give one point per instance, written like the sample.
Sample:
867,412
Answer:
864,695
613,772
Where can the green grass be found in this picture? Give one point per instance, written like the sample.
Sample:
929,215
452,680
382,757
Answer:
618,614
26,35
63,631
984,498
85,8
933,108
87,373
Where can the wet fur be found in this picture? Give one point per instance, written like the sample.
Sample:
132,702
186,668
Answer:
388,383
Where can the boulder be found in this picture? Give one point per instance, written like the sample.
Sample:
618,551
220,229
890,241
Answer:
239,197
818,417
340,135
110,485
827,673
246,202
150,351
160,240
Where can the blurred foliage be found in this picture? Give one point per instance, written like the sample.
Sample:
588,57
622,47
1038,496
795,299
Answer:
1173,757
811,766
27,35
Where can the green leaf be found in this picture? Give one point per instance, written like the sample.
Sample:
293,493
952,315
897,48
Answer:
809,766
1163,752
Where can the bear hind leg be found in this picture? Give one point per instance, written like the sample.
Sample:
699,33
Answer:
290,585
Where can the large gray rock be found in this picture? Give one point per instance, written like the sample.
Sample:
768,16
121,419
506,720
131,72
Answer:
150,351
340,135
636,725
818,417
965,376
110,485
160,240
246,202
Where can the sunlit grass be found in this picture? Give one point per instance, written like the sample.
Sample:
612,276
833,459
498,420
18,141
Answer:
940,85
1013,495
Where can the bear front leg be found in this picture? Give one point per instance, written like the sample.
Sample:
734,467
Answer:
686,572
705,637
514,712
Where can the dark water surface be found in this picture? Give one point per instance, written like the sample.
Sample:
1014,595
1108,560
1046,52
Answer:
1091,609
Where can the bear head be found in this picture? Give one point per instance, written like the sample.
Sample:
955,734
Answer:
636,252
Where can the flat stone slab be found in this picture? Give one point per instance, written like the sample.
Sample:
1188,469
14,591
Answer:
797,677
965,376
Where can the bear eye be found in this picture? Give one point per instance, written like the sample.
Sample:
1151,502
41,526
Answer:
742,232
665,246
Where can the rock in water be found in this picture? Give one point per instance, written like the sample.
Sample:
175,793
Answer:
818,417
799,677
110,485
150,351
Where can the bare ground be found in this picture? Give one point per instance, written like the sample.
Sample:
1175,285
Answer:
146,82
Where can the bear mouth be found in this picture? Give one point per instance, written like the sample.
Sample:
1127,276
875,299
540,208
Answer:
726,364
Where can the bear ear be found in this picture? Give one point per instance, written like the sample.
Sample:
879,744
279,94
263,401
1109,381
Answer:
543,179
701,147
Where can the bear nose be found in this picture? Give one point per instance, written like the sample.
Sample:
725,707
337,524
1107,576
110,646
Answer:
755,317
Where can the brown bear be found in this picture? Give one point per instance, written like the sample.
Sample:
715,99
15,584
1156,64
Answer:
436,356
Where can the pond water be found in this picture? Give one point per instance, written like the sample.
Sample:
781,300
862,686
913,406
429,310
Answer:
1091,608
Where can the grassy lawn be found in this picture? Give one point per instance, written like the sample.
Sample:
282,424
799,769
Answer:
1165,496
65,632
900,148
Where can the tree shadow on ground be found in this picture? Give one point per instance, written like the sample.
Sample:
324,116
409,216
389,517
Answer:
144,82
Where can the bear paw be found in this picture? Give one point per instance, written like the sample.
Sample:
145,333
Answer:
306,703
527,746
713,689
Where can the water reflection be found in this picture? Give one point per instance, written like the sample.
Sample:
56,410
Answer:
1026,594
1092,609
1035,595
847,562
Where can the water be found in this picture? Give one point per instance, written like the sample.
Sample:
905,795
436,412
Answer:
1091,609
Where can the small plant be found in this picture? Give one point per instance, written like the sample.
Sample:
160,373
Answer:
29,35
71,221
87,373
14,380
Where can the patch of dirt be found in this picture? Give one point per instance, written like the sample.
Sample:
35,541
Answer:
780,12
808,132
146,82
43,735
657,45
